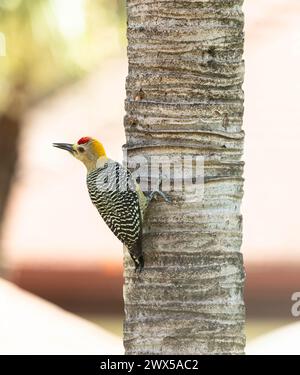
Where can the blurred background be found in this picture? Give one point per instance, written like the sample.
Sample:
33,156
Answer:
62,76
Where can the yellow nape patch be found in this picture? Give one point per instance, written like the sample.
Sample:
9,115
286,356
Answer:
98,148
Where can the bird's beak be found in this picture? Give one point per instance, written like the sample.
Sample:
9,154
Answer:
64,146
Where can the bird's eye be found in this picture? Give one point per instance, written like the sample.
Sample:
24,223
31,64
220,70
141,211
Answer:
80,149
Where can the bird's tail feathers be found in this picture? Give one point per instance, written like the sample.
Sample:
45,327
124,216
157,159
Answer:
137,254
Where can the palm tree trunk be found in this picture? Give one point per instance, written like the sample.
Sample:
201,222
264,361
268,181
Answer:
184,98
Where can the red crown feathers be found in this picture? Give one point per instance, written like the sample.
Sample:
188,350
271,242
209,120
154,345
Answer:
83,140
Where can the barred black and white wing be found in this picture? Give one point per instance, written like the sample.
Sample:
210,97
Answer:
113,192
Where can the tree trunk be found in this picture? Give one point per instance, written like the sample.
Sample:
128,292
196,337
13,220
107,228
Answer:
184,99
10,129
9,137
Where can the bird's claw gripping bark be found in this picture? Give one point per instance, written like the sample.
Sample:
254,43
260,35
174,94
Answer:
154,194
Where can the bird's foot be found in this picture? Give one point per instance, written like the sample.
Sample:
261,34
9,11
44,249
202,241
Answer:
156,193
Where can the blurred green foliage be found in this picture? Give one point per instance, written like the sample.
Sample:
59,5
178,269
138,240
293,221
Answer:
44,45
52,42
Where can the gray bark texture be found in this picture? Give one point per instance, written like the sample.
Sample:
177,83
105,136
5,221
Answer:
184,97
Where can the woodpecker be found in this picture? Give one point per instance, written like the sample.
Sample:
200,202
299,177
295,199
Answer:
114,192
